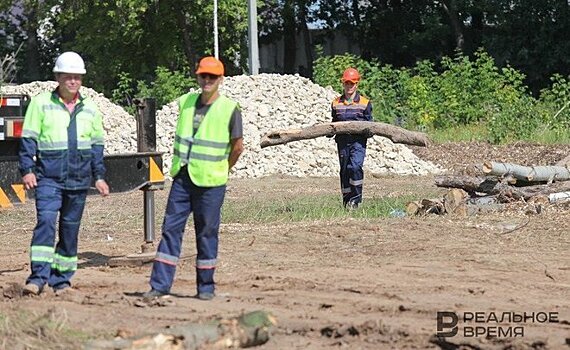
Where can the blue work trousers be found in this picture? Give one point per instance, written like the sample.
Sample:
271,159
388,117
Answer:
351,155
205,203
55,266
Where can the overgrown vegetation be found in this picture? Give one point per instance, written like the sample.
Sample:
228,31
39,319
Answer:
459,93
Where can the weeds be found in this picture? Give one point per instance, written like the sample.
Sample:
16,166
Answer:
307,208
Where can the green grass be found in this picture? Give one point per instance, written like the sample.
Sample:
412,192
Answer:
307,208
459,133
50,330
550,137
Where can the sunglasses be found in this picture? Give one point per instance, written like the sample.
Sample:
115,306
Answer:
209,76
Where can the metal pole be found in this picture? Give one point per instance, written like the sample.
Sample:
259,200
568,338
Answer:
146,142
252,34
216,54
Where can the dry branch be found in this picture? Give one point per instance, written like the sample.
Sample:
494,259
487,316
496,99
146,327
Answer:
394,133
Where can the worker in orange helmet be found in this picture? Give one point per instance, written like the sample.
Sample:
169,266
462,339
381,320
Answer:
351,106
207,144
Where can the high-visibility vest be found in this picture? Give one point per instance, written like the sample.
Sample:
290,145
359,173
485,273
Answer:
206,152
47,120
68,146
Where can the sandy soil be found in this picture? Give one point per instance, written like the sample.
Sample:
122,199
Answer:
346,283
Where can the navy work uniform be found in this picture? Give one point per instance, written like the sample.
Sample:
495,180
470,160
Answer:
65,151
200,173
351,148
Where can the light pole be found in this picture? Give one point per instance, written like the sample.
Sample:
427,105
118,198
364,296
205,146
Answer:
216,54
252,34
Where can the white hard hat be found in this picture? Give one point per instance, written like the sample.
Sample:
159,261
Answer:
69,62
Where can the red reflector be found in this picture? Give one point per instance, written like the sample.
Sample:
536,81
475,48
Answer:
18,126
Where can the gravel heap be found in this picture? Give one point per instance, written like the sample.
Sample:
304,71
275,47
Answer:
120,127
268,102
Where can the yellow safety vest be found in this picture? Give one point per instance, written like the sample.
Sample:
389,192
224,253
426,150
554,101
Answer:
206,153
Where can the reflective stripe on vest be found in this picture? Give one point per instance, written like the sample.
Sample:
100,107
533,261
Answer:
207,152
47,121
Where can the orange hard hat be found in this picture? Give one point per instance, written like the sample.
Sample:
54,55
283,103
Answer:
210,65
351,74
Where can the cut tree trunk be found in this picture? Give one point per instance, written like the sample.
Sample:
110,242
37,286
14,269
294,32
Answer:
454,202
526,173
248,330
394,133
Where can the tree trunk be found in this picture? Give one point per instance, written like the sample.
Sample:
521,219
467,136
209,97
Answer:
531,174
308,45
394,133
450,6
32,56
289,37
184,30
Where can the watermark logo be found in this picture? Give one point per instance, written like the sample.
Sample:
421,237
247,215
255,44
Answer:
491,324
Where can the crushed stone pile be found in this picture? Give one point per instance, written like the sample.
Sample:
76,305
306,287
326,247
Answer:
268,102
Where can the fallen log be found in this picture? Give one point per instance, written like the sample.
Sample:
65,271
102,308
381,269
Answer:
248,330
394,133
504,191
471,184
547,173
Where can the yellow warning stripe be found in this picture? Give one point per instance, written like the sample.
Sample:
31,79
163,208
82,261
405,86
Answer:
20,191
4,201
156,174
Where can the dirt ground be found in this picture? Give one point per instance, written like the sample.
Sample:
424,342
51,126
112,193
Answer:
344,283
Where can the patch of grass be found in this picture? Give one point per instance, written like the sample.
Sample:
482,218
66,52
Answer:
550,137
307,208
460,133
28,330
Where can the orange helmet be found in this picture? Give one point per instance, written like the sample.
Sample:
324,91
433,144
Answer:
351,74
210,65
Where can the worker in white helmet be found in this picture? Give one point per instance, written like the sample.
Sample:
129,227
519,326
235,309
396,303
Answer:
61,152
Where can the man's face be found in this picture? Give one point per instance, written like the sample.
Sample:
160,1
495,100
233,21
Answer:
69,83
349,87
209,82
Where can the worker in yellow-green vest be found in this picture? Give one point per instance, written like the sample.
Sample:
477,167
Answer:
208,142
61,152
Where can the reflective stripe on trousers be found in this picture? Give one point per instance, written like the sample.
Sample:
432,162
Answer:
55,266
205,203
351,158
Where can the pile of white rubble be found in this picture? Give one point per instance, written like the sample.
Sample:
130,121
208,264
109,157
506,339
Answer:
268,102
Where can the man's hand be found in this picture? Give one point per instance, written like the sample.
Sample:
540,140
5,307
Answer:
102,187
30,181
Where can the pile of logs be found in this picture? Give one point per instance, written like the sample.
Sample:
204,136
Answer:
495,185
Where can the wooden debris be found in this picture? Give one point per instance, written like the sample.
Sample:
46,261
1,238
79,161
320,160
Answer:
394,133
531,174
248,330
454,202
504,183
